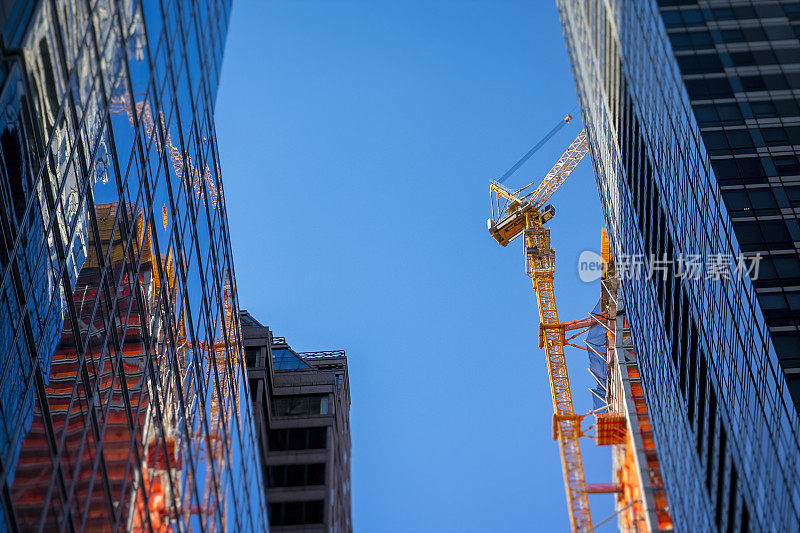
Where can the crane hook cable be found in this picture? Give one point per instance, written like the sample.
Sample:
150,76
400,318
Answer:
561,123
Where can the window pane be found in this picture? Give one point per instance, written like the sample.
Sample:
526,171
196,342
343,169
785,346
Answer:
313,404
314,512
297,439
318,437
296,475
296,513
253,357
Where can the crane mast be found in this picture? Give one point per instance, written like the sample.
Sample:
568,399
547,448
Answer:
519,212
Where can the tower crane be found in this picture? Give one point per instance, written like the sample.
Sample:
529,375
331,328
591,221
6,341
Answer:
522,212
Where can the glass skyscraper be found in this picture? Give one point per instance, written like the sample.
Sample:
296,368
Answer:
123,400
692,114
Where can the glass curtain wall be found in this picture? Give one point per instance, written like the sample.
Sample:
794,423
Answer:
123,403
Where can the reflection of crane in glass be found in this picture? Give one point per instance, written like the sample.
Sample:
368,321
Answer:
522,212
167,445
121,103
210,362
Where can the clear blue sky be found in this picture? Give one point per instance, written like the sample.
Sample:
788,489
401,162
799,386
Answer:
357,142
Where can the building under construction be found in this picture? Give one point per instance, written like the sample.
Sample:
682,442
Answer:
641,500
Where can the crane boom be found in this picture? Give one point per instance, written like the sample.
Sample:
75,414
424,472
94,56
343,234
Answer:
513,214
561,170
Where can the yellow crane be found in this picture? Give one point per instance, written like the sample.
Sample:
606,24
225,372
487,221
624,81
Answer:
522,212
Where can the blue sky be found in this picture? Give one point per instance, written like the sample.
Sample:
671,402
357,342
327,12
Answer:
357,142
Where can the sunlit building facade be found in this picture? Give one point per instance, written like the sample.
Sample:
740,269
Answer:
123,398
716,357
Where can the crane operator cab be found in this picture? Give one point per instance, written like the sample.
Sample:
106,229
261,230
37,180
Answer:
548,212
511,226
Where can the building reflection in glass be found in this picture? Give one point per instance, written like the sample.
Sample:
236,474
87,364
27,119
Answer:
120,378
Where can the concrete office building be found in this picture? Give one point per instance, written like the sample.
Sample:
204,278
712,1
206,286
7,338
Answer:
691,109
301,404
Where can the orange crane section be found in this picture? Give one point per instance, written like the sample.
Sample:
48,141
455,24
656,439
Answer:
515,213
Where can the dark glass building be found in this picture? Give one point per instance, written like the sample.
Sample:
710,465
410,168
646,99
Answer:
301,406
692,114
122,383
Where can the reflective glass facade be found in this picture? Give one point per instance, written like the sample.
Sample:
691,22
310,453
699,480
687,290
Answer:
123,398
723,415
741,67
